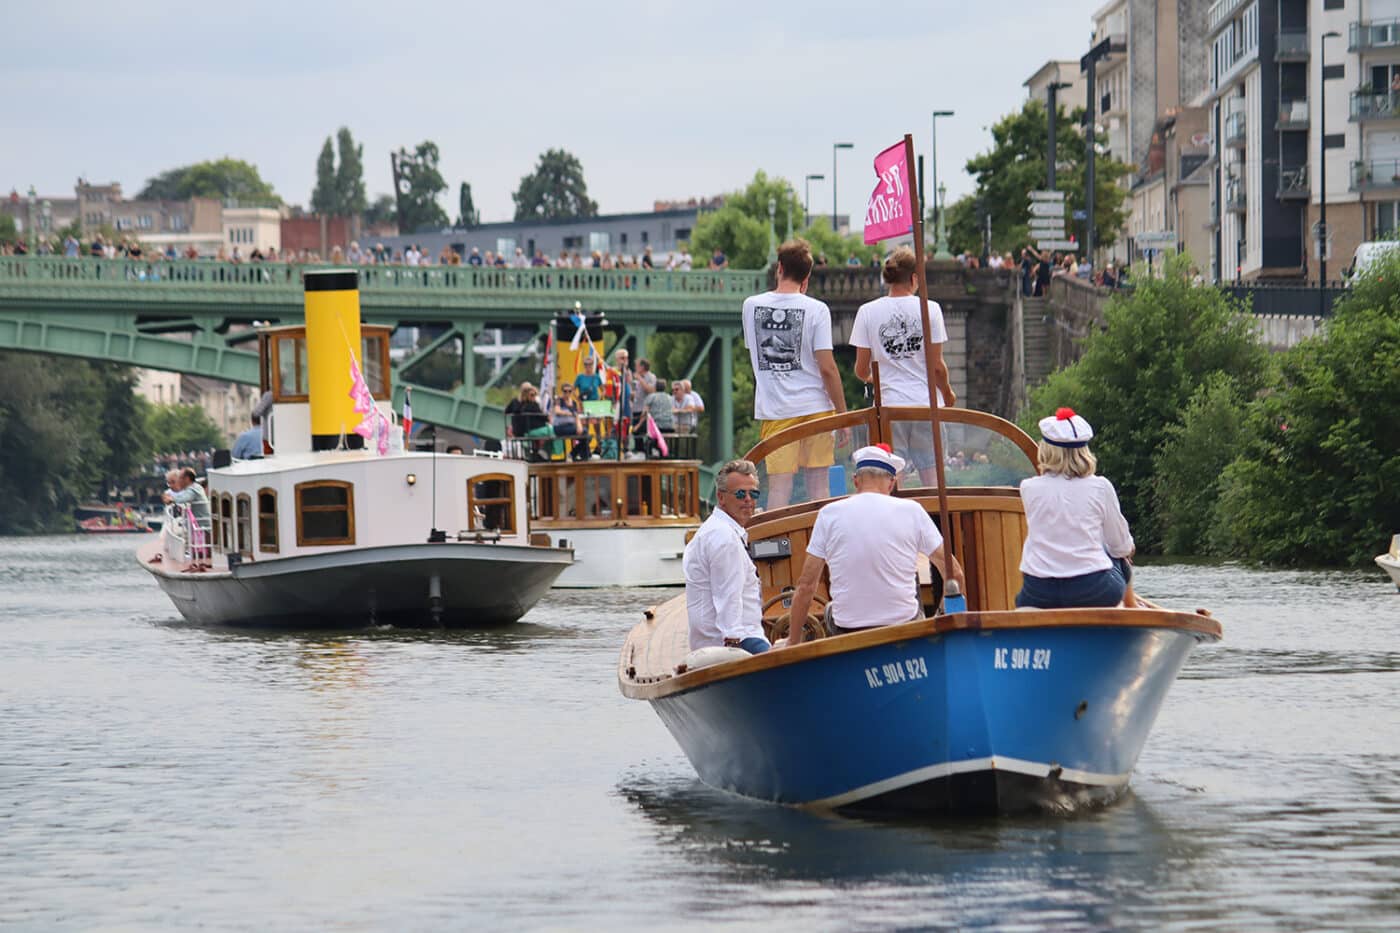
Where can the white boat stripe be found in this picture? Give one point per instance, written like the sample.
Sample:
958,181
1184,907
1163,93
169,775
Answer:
993,763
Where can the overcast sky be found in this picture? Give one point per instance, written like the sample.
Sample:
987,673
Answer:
657,99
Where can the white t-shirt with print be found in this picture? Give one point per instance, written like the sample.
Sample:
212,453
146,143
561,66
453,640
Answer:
871,543
783,331
891,329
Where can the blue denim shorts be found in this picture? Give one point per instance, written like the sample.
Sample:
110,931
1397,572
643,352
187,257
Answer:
1102,588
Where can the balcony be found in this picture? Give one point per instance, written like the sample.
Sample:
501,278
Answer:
1234,130
1293,115
1368,105
1293,183
1234,195
1374,34
1293,46
1220,12
1376,175
1214,221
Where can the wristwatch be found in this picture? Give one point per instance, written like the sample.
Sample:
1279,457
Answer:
733,643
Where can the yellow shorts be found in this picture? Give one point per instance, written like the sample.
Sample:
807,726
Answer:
819,450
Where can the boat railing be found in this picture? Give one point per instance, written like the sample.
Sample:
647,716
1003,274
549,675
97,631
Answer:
184,537
979,449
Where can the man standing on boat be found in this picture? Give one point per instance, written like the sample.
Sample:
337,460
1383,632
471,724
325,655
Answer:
872,540
889,331
249,444
795,375
722,596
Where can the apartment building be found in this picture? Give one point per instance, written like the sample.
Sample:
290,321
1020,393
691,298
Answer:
1065,72
1171,197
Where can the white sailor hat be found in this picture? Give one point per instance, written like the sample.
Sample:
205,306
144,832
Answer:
1066,429
879,456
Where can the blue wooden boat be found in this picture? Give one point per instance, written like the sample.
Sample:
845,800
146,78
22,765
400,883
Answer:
988,710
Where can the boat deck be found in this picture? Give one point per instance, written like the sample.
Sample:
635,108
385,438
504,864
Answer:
151,557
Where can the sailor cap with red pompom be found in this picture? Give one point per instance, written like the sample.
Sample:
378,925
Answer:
1066,429
880,456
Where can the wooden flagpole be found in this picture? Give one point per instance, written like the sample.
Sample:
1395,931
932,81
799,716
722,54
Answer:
943,523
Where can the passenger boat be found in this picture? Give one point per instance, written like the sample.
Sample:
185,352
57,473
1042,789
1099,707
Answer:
1390,560
117,521
626,516
984,710
326,532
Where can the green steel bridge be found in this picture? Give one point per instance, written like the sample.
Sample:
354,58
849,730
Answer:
198,317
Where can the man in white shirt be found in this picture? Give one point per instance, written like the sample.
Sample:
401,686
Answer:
889,331
693,399
721,583
795,375
872,541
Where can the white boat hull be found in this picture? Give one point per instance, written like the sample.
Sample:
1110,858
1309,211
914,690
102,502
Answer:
621,556
1391,565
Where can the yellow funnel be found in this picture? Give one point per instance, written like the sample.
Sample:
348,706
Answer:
332,336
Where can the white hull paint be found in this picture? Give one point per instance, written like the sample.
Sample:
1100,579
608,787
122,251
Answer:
646,556
1391,565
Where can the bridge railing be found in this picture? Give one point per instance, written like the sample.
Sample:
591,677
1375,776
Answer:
155,273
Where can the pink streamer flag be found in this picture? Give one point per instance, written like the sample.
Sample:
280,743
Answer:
889,212
375,425
654,433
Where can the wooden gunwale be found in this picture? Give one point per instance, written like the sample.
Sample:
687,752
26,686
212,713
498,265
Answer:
1203,627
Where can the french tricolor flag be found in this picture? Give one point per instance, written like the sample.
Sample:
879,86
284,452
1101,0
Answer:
407,412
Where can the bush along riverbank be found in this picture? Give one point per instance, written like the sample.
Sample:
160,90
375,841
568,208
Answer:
1220,448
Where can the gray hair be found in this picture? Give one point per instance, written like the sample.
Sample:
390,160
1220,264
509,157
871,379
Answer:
739,467
870,472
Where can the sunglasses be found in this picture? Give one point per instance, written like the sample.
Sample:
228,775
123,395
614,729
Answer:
745,494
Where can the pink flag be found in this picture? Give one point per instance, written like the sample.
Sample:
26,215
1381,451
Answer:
889,212
654,433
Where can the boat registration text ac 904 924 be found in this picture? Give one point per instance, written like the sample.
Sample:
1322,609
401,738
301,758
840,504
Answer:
1021,659
896,672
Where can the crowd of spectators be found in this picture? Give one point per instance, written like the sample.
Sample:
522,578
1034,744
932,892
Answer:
1039,267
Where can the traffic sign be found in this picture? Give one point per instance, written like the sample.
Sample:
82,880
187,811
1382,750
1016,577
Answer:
1047,208
1080,214
1156,238
1064,246
1047,195
1051,224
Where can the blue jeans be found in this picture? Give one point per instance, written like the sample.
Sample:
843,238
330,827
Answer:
755,645
1102,588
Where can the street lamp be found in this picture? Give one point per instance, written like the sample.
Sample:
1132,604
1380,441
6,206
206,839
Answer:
33,227
940,246
46,219
1052,113
942,234
807,198
1322,231
772,215
834,147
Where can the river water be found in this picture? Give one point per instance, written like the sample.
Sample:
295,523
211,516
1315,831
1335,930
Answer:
155,775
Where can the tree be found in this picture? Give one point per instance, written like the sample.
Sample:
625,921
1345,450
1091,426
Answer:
349,176
226,179
381,211
1317,479
1137,377
324,198
467,215
740,227
1016,166
9,230
555,190
420,183
182,427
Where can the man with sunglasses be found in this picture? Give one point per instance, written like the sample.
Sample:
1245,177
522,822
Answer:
722,596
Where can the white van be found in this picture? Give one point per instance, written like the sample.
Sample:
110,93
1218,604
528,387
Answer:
1368,254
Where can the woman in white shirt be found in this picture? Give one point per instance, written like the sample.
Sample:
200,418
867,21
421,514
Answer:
1078,547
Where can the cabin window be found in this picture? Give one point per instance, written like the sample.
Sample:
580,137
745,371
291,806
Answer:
597,496
491,503
668,494
374,351
683,506
541,498
216,525
639,495
291,369
245,525
267,521
567,498
226,523
325,513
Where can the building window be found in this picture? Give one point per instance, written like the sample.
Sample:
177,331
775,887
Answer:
505,247
1334,4
267,521
646,237
491,503
683,233
573,242
1387,220
600,242
325,513
622,240
245,525
290,360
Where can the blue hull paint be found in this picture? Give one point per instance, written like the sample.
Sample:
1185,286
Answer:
975,720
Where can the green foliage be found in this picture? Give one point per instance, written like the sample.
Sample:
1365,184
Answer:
554,190
740,227
467,214
1016,165
382,210
226,179
323,196
9,230
1318,478
1187,469
174,428
350,175
1136,378
420,183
